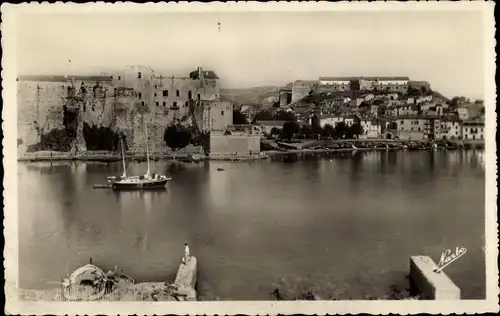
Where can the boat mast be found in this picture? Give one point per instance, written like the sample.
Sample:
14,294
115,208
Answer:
147,147
123,158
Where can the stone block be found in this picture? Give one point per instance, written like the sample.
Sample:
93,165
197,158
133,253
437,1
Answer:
186,275
430,284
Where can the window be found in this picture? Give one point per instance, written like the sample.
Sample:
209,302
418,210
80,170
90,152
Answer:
139,75
177,93
186,104
164,103
119,77
175,104
165,93
156,87
142,103
155,94
140,95
221,112
189,95
157,103
199,96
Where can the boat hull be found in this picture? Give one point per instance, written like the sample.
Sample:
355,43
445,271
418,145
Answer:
146,185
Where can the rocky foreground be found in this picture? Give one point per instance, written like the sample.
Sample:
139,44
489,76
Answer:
125,289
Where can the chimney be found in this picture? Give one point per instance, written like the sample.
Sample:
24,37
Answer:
200,73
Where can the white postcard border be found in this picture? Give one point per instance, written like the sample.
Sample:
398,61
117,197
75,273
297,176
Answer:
9,116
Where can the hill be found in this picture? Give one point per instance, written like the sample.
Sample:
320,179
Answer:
265,95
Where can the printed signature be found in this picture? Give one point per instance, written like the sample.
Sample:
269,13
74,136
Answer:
448,257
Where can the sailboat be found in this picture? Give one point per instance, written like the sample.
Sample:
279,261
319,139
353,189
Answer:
147,181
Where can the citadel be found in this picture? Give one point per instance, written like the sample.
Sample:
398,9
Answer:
118,104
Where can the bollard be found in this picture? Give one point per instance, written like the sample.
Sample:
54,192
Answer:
430,284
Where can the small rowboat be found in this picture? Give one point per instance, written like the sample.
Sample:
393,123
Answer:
86,283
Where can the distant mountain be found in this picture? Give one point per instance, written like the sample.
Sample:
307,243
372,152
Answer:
265,95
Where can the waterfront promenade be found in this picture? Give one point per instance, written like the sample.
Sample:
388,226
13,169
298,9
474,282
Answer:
322,146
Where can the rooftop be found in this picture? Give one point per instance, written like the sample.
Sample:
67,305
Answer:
339,78
305,82
60,78
363,78
474,122
207,74
385,78
416,117
271,123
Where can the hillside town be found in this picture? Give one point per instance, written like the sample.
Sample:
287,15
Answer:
375,108
85,114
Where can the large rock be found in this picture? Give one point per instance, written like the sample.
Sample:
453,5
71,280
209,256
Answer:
185,280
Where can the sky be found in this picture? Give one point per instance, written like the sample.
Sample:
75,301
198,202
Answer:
251,49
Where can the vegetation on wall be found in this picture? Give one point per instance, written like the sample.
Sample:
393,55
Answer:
54,140
239,118
266,115
177,136
100,138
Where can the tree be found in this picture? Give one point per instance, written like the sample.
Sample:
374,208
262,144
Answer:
275,131
315,125
340,130
239,118
412,91
177,136
455,101
355,130
307,131
263,115
328,131
284,116
290,128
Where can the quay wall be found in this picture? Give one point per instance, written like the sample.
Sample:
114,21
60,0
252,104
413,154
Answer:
234,144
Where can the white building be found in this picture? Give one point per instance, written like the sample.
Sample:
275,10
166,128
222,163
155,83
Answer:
371,129
463,113
402,110
336,83
374,110
447,128
369,97
334,120
427,98
426,107
473,130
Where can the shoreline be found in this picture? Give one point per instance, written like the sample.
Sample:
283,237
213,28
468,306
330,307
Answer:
116,157
112,157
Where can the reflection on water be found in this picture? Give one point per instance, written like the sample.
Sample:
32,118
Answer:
343,223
